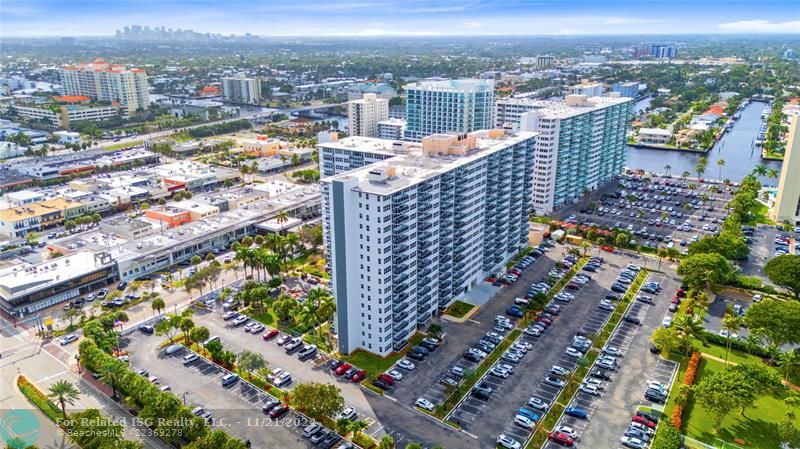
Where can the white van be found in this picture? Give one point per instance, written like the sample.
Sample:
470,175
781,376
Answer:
521,301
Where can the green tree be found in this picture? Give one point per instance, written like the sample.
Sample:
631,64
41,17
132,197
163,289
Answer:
284,307
776,322
688,327
112,375
319,401
730,323
195,260
386,442
704,270
157,304
720,393
251,361
199,334
64,393
668,437
435,330
186,325
666,340
785,271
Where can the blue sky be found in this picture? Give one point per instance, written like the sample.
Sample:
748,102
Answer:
401,17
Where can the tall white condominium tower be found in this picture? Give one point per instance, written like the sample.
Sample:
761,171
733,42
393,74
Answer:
103,81
240,89
363,115
435,107
581,147
408,234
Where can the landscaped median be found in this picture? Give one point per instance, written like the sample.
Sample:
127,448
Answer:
39,399
451,401
556,410
554,290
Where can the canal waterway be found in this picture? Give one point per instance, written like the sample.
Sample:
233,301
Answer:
735,147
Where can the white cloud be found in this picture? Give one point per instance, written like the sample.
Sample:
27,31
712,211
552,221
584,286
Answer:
569,31
630,21
761,26
471,24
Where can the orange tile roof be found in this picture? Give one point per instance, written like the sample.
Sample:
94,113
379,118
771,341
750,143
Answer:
72,98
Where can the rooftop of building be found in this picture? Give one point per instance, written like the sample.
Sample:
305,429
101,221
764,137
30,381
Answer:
563,109
361,143
393,122
456,85
34,209
121,248
22,278
655,131
414,163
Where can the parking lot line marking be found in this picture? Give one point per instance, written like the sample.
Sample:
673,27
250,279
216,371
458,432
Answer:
474,321
467,433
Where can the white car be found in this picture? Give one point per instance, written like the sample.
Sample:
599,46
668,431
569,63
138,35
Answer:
569,431
633,443
425,404
757,297
666,322
572,352
533,331
396,375
559,370
590,389
406,365
499,372
67,339
612,350
524,344
606,305
507,442
524,422
538,404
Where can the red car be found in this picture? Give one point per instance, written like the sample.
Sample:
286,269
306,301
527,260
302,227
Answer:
561,438
270,334
676,300
359,376
545,320
279,411
681,293
386,378
343,369
643,420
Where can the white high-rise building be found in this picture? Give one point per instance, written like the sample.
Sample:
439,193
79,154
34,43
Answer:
460,106
240,89
407,235
363,115
392,129
581,145
112,83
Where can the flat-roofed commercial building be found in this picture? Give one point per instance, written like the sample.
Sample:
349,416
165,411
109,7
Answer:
26,288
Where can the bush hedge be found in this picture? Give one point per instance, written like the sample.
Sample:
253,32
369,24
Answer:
39,399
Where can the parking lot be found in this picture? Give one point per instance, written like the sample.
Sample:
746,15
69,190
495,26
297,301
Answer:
236,339
656,213
236,409
610,413
528,381
486,419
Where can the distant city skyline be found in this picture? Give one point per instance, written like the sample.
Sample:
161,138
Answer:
401,18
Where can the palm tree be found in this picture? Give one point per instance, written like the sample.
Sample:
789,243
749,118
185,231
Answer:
186,326
112,375
731,323
64,393
292,242
273,242
688,326
668,169
157,304
685,175
786,360
752,342
720,164
773,173
760,170
282,218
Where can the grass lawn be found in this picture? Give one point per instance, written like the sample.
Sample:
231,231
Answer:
182,137
119,146
375,364
759,428
269,318
459,309
760,215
